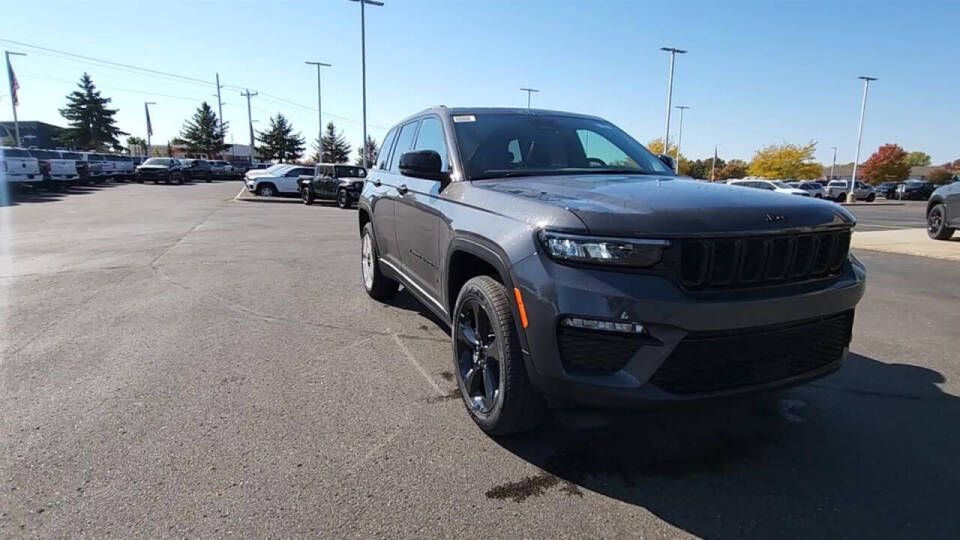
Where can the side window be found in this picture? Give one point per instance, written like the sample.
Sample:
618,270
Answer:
385,148
431,137
404,143
514,148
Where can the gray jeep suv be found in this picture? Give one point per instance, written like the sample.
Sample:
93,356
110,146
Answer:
576,270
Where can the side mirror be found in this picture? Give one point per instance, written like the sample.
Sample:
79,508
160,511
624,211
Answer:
422,164
668,160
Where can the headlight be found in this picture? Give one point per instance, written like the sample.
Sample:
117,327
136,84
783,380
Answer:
632,252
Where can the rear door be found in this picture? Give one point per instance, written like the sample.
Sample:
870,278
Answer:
386,181
418,218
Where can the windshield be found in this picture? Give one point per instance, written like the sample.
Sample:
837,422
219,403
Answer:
344,171
838,184
277,167
157,161
70,155
502,145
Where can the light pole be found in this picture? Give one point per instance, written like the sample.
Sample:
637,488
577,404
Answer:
319,113
14,86
679,137
863,108
248,94
220,107
363,64
666,130
529,91
146,110
833,165
713,166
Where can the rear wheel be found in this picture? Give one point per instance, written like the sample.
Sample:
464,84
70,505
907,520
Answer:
377,285
871,197
937,223
489,363
343,199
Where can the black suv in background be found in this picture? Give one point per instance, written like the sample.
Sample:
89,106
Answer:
576,270
197,169
330,181
160,169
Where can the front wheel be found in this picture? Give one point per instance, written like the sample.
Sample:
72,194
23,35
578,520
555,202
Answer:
489,363
343,199
306,195
937,224
871,197
377,285
266,190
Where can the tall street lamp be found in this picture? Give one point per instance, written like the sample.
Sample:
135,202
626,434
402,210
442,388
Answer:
363,64
319,113
666,130
863,108
679,138
529,91
14,86
833,165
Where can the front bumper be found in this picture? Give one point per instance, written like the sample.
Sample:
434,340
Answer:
677,322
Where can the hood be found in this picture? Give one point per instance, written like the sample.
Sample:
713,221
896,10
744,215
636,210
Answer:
623,205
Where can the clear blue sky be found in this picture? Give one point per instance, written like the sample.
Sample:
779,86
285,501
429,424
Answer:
755,74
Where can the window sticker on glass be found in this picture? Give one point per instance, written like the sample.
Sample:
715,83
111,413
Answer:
464,118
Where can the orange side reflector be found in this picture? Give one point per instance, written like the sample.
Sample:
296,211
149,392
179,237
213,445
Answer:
520,308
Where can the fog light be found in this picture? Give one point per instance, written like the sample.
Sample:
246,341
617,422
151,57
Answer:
606,326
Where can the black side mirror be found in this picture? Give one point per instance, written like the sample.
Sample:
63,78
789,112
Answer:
668,160
422,164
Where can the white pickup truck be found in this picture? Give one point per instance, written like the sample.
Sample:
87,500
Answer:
17,166
54,168
122,166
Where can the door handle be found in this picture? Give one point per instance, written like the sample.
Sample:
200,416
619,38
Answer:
402,188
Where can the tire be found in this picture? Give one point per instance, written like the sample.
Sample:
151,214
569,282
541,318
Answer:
818,196
936,223
871,197
343,199
306,195
486,352
377,285
266,190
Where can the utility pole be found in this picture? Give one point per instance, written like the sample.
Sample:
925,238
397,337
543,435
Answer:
363,68
14,99
248,94
146,110
834,164
679,137
220,107
529,91
863,108
666,130
319,111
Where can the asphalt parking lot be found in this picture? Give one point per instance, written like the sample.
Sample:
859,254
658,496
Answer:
174,362
881,217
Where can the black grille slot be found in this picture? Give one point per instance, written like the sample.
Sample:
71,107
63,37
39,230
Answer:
598,352
714,361
730,263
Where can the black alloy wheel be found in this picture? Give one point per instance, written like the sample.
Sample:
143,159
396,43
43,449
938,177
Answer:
478,356
936,224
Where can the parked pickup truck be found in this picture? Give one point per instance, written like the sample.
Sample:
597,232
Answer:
56,171
97,168
837,190
17,166
342,183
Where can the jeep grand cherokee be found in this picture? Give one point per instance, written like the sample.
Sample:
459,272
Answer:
575,269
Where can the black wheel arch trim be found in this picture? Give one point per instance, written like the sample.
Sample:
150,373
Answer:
491,254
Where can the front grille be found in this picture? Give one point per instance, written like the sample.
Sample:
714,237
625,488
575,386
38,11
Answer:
596,352
731,263
714,361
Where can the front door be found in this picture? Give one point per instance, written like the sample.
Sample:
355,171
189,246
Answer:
386,180
418,215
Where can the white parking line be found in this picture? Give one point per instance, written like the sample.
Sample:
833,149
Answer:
241,192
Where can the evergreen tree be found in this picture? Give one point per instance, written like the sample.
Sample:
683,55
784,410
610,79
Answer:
92,126
279,141
202,133
372,151
333,147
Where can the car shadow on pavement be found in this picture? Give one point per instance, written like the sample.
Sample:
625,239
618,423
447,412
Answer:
23,195
870,451
405,300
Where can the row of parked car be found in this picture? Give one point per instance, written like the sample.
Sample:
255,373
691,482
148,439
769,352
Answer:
62,168
332,181
836,190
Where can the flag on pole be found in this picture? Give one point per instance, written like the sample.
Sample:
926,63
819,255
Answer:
14,85
149,125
